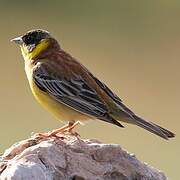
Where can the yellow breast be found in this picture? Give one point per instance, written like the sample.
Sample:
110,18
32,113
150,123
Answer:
59,110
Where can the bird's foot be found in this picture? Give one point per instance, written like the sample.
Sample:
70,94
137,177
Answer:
58,133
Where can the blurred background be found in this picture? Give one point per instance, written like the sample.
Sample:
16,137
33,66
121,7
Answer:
133,46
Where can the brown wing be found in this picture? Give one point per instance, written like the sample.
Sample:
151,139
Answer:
72,90
127,112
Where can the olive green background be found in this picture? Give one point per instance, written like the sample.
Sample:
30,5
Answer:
133,46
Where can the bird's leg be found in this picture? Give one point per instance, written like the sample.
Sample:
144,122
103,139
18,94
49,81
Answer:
61,130
67,128
52,133
72,125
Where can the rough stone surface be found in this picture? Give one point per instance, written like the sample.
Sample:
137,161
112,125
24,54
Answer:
72,158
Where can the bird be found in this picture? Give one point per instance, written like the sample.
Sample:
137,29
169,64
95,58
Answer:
68,90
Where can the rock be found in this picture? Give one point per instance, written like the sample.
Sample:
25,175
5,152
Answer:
72,158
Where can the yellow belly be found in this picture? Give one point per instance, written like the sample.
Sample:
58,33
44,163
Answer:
59,110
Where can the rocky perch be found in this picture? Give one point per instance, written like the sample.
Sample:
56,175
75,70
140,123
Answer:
72,158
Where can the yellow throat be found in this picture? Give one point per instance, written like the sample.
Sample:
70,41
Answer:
43,45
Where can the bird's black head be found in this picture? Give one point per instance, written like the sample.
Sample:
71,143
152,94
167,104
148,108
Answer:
36,42
35,36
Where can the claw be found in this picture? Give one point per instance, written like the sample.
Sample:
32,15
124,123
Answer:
58,132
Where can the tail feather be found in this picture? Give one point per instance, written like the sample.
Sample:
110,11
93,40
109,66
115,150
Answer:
156,129
167,132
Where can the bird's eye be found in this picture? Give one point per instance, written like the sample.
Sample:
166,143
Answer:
30,40
33,38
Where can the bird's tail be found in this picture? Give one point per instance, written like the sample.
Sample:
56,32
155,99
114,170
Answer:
153,128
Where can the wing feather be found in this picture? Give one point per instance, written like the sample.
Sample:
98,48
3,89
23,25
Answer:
74,92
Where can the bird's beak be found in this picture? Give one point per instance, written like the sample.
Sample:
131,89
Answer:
17,40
